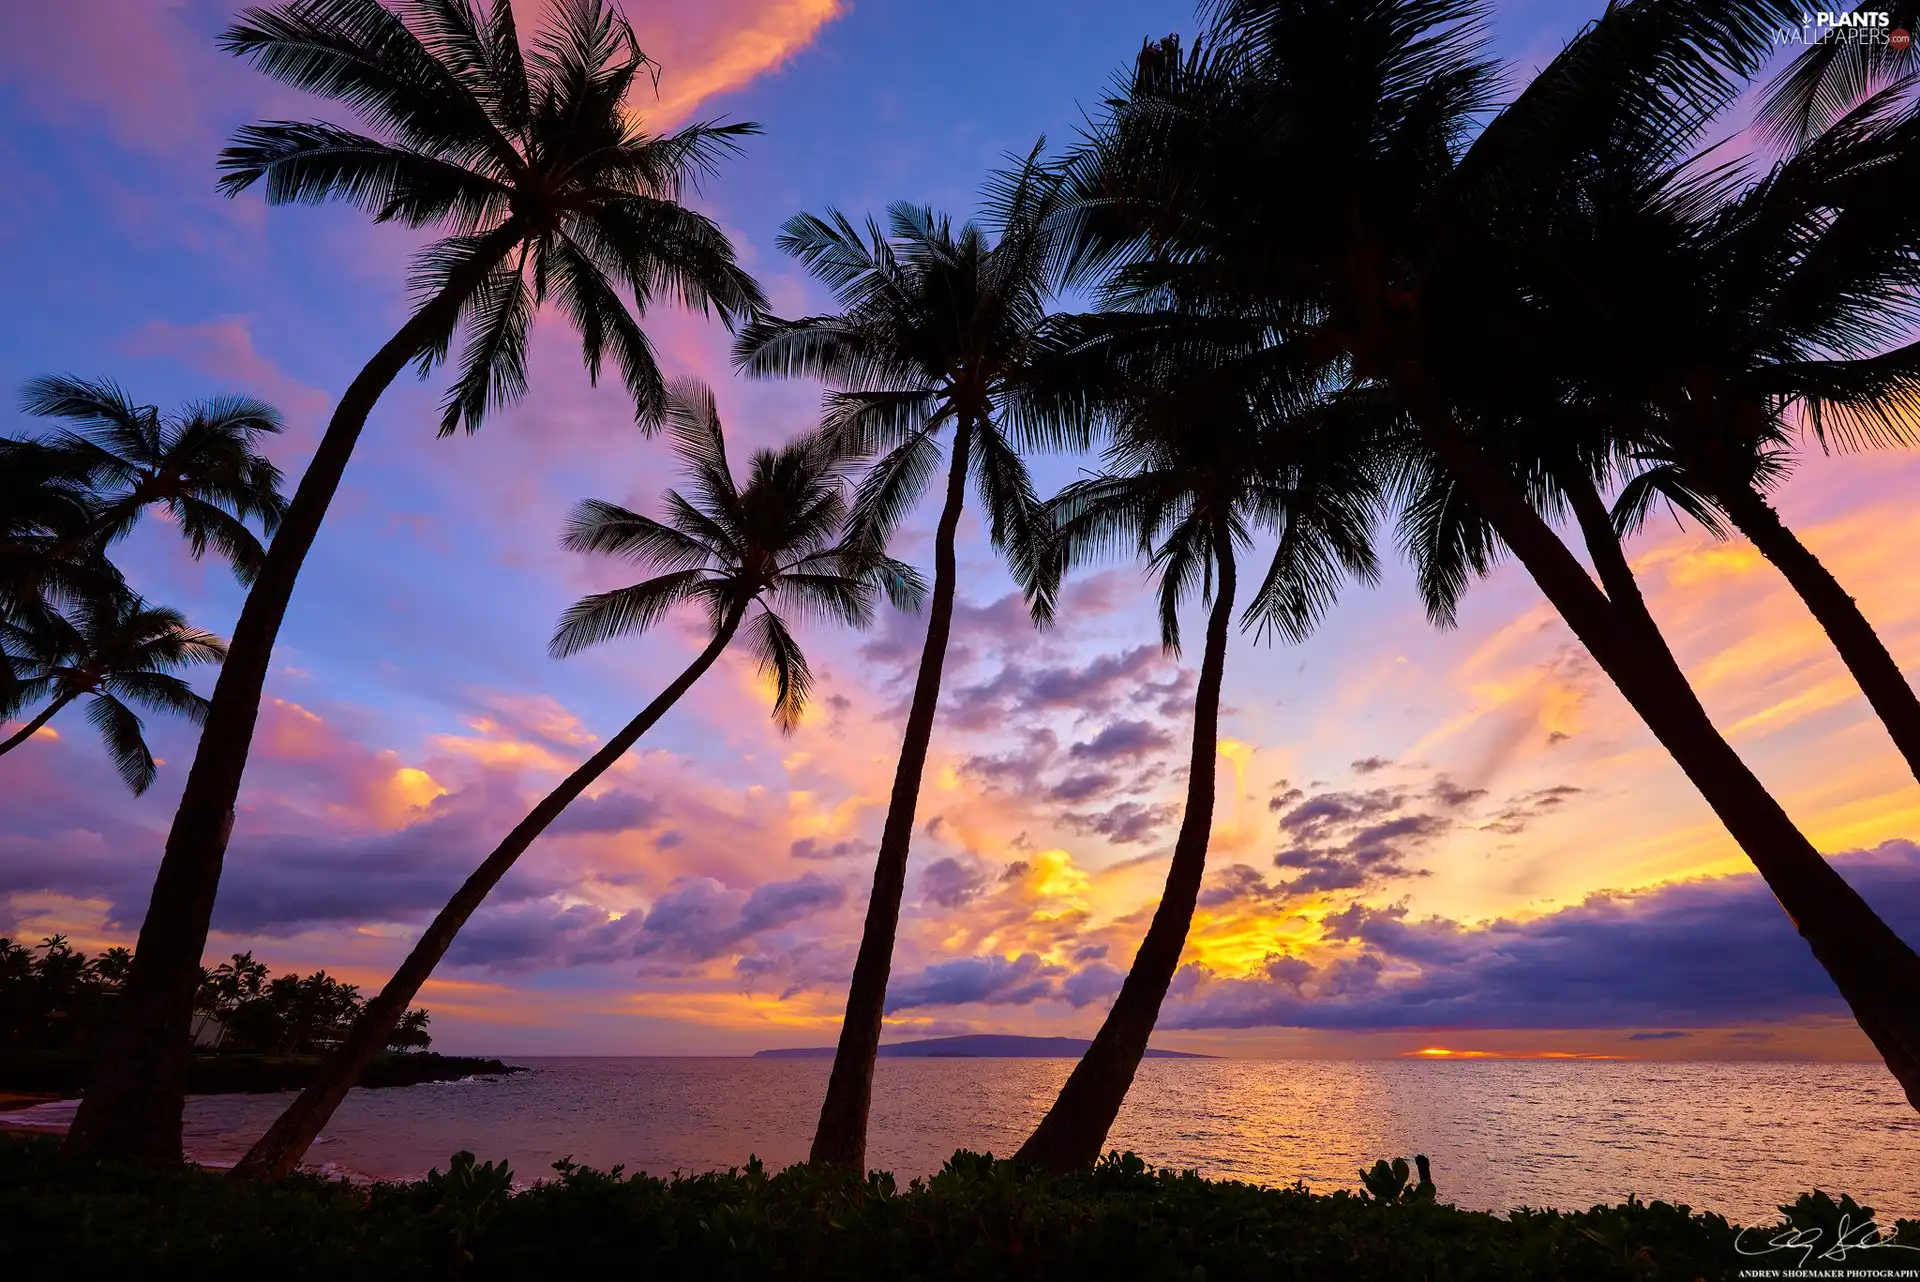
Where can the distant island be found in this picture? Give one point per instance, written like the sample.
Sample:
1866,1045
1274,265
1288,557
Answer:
975,1046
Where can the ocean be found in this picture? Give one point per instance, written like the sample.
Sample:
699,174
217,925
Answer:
1737,1138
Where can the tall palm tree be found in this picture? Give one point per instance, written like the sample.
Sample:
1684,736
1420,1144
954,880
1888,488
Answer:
768,548
938,331
544,186
116,653
1401,261
1713,328
1204,458
201,463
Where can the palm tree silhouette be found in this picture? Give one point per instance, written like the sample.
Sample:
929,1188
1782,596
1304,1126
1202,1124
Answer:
1830,76
117,653
938,330
1404,262
545,187
1712,331
200,463
1207,454
745,556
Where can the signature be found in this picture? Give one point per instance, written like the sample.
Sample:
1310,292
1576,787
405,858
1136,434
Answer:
1864,1236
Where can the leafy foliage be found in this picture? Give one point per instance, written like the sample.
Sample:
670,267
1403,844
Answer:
976,1219
545,186
289,1014
53,997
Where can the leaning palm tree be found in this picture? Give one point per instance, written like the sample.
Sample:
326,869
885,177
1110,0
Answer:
1715,331
545,187
938,330
1205,457
114,654
1404,262
745,556
201,464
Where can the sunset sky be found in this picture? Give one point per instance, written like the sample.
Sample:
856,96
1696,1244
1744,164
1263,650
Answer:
1425,840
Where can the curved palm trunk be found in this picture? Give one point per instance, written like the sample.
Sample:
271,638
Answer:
132,1105
25,732
841,1137
278,1151
1860,647
1074,1130
1875,970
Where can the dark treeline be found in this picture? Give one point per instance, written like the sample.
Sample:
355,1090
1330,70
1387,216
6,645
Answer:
56,998
1349,283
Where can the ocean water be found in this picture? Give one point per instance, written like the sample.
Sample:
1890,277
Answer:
1737,1138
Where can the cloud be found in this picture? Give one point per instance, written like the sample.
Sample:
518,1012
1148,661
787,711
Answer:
1707,953
1123,824
699,919
991,981
953,883
720,45
1350,840
610,812
814,848
1122,740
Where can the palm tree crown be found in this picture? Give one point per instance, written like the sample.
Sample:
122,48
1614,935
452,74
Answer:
938,328
529,161
773,543
120,652
201,463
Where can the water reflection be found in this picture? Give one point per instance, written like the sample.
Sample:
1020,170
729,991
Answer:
1734,1138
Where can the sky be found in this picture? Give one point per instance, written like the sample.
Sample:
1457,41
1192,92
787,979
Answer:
1425,840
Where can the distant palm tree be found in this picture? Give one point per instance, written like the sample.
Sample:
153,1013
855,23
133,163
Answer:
937,330
1206,457
119,652
201,464
745,555
545,187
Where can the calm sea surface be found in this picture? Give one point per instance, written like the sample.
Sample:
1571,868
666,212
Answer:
1734,1138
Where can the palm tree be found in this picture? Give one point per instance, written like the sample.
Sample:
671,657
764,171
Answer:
1402,261
200,463
937,330
763,549
1711,329
120,652
545,187
1831,75
46,508
1205,455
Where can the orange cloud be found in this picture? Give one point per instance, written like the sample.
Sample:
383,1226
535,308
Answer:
722,45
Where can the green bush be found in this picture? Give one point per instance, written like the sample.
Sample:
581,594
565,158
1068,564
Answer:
977,1219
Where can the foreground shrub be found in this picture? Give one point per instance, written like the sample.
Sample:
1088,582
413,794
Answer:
976,1219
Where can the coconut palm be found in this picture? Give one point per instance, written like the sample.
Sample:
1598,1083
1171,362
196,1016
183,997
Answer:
1403,261
940,333
544,186
1206,456
46,564
748,557
1713,328
1839,67
114,654
201,464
